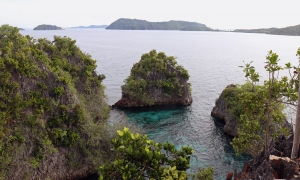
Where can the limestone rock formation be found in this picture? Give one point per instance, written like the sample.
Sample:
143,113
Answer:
222,108
52,108
275,164
156,80
221,111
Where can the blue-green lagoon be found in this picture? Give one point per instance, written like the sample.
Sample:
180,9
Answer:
212,59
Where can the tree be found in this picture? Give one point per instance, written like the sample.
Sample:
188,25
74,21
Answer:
296,140
139,158
260,110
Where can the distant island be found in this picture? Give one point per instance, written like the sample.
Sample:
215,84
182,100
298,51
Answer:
21,29
92,26
135,24
290,31
47,27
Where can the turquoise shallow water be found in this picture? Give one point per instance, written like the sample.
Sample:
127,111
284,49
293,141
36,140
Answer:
176,125
212,59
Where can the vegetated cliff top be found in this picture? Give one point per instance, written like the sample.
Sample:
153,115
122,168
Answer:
135,24
47,27
156,79
52,108
290,30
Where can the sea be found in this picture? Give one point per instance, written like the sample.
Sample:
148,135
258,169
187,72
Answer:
212,60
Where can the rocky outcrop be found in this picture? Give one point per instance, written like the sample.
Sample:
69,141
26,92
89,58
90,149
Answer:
221,111
273,164
52,109
129,101
222,108
156,80
57,166
47,27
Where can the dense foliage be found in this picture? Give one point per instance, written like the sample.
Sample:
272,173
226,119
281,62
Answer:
137,157
155,70
291,30
260,108
50,97
205,174
135,24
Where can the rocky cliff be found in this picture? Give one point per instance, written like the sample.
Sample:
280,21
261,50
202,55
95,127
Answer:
273,164
52,109
156,80
227,109
47,27
221,111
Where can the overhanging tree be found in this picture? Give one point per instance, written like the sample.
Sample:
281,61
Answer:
261,112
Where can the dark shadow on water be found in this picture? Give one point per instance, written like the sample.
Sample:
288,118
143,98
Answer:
91,177
228,149
153,108
218,122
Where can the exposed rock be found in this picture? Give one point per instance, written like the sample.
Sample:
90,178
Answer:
275,164
229,176
221,111
156,80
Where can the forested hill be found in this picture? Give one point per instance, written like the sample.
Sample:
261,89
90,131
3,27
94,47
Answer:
291,30
47,27
135,24
91,26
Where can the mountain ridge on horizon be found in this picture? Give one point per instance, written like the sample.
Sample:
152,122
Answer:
91,26
289,30
136,24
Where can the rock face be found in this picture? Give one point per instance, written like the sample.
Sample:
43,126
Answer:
156,80
221,111
52,109
275,164
47,27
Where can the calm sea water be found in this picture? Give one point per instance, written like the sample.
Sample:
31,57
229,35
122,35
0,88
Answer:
212,59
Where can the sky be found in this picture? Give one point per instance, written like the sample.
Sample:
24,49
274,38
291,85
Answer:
216,14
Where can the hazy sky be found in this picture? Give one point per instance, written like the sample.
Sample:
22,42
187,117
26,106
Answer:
221,14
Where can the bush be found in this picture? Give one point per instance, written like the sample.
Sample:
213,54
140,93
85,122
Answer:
139,158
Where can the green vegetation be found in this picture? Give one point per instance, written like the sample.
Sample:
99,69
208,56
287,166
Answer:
205,174
47,27
155,70
259,108
50,98
139,158
135,24
291,30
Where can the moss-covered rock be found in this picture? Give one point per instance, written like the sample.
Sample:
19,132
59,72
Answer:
156,79
52,108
